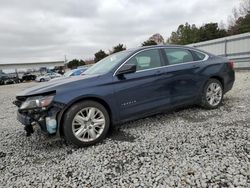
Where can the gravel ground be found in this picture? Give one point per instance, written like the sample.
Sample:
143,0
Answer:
191,147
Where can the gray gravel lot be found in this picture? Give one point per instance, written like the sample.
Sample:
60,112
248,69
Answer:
192,147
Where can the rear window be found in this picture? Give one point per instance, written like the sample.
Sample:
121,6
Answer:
198,56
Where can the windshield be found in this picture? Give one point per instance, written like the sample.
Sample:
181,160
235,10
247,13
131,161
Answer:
107,64
67,74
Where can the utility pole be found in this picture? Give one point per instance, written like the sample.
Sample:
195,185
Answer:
65,62
65,59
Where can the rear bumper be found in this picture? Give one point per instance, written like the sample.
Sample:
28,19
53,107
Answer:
229,81
228,87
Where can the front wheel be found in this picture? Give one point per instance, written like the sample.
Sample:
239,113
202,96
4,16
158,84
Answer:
86,123
212,94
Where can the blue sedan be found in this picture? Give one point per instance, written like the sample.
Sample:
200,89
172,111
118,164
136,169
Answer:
124,86
75,72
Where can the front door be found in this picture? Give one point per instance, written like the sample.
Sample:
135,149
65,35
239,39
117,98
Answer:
140,92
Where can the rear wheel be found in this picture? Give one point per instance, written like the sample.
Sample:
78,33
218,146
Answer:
42,80
212,94
86,123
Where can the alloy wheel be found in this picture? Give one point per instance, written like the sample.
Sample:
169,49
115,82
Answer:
88,124
214,94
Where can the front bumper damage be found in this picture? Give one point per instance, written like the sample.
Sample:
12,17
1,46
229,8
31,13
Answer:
45,118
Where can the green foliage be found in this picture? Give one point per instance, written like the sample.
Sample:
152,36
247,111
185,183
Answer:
211,31
148,43
187,33
75,63
245,24
100,55
118,48
241,25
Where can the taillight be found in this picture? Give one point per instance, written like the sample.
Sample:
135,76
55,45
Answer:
231,64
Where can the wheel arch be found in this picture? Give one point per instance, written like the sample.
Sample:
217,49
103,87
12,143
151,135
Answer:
219,79
202,100
85,98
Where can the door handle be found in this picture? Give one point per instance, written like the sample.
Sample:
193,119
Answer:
158,72
196,66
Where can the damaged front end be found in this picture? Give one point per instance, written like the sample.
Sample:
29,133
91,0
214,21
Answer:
38,110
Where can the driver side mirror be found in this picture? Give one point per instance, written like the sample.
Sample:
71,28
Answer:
126,69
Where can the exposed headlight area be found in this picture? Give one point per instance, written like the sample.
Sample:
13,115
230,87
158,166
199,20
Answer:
40,102
41,110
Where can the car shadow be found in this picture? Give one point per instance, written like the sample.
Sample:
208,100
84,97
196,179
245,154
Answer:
117,134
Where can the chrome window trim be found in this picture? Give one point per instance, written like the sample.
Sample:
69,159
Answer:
162,47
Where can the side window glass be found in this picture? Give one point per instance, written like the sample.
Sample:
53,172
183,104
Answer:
78,72
146,60
177,56
198,56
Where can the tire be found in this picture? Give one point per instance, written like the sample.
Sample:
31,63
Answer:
80,130
42,80
212,94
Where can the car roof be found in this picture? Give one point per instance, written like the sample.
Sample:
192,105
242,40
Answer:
134,50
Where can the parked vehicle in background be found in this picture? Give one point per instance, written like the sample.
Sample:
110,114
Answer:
28,77
85,66
47,77
8,79
59,69
43,78
124,86
75,72
4,79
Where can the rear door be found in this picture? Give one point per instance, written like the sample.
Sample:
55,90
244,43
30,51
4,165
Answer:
140,92
182,75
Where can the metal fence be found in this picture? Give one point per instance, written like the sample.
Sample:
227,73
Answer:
236,48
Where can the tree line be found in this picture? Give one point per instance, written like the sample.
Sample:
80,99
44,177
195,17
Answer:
102,54
120,47
187,33
239,22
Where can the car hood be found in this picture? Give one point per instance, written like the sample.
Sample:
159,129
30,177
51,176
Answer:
60,85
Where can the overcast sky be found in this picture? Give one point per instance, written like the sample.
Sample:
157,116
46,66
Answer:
45,30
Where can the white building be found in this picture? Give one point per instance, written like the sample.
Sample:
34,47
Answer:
35,65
